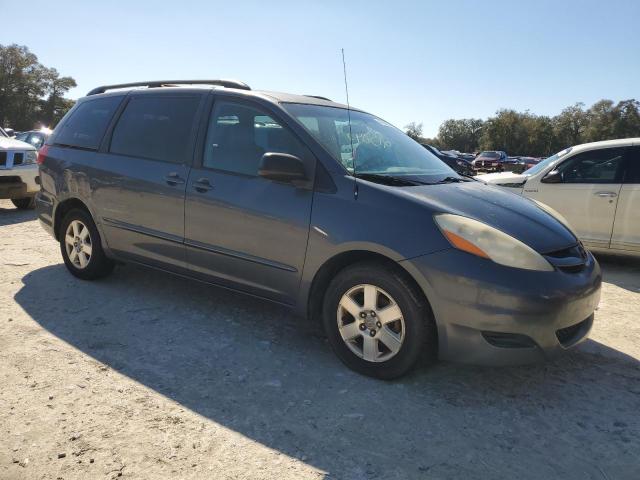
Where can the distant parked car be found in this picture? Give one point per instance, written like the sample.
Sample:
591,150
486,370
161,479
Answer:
18,171
530,162
595,186
458,164
490,161
9,132
34,137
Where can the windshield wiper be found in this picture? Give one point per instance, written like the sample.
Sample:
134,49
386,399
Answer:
388,180
450,180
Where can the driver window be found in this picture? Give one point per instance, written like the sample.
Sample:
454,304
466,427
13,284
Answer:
239,135
595,166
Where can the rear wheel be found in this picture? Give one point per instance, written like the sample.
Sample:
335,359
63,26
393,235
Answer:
27,203
376,321
81,247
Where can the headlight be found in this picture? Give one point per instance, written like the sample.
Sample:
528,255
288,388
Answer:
555,214
480,239
30,157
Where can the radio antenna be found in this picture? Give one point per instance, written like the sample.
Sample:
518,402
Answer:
353,155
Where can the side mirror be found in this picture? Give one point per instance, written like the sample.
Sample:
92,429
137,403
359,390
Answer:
554,176
282,167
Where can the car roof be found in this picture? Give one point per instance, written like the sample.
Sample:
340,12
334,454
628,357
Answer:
621,142
276,97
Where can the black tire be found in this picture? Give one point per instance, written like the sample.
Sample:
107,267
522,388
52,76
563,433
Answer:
99,265
27,203
420,337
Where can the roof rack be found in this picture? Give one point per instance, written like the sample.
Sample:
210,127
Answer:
321,98
162,83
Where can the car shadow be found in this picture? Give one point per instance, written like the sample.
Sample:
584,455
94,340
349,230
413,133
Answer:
10,215
621,270
245,364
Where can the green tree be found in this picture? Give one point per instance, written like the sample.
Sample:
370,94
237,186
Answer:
462,135
570,125
30,93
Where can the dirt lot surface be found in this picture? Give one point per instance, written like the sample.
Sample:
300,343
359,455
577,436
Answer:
146,375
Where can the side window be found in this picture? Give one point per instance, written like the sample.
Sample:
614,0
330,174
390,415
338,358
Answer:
238,135
87,123
632,166
156,127
594,166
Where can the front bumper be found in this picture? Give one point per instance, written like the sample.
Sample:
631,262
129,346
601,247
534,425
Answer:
19,182
490,314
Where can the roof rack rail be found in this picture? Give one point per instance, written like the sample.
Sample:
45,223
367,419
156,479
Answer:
319,97
162,83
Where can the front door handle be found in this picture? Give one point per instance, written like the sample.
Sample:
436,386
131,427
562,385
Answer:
202,185
606,194
173,179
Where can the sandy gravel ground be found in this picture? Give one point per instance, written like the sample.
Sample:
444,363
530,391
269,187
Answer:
145,375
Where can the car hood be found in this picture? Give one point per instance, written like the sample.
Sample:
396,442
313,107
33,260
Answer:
503,177
13,144
515,215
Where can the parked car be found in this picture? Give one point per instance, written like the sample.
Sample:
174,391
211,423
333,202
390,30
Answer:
595,187
529,162
459,165
490,161
34,137
18,171
400,258
512,164
9,132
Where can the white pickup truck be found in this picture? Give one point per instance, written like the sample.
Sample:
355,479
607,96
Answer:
18,171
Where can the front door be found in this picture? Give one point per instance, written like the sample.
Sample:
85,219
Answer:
626,228
587,194
242,230
140,182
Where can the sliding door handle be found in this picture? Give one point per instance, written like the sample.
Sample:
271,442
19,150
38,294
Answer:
202,185
174,179
606,194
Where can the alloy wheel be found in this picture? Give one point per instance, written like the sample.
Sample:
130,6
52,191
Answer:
371,323
77,242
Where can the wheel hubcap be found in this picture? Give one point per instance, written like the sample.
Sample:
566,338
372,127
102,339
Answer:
371,323
77,242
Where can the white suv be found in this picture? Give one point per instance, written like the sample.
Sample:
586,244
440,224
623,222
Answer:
18,171
595,186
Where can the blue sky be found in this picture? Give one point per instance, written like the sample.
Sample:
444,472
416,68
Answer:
422,61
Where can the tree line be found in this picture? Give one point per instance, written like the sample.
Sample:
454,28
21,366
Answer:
523,133
31,95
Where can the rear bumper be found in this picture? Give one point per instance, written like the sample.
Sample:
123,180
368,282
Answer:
19,182
493,315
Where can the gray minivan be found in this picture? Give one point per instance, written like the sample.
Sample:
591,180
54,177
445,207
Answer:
329,210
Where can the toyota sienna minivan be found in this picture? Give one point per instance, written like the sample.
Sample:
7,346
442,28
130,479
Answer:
329,210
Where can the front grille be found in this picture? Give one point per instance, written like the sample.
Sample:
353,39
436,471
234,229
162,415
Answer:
569,335
570,260
3,159
18,158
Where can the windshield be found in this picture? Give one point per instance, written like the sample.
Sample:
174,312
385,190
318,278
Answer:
375,146
545,163
490,155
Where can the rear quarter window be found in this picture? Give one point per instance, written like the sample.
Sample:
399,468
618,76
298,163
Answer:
156,128
87,123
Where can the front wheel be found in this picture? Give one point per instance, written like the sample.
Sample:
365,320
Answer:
377,322
81,247
27,203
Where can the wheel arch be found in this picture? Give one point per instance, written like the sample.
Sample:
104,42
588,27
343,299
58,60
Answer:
63,208
332,266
